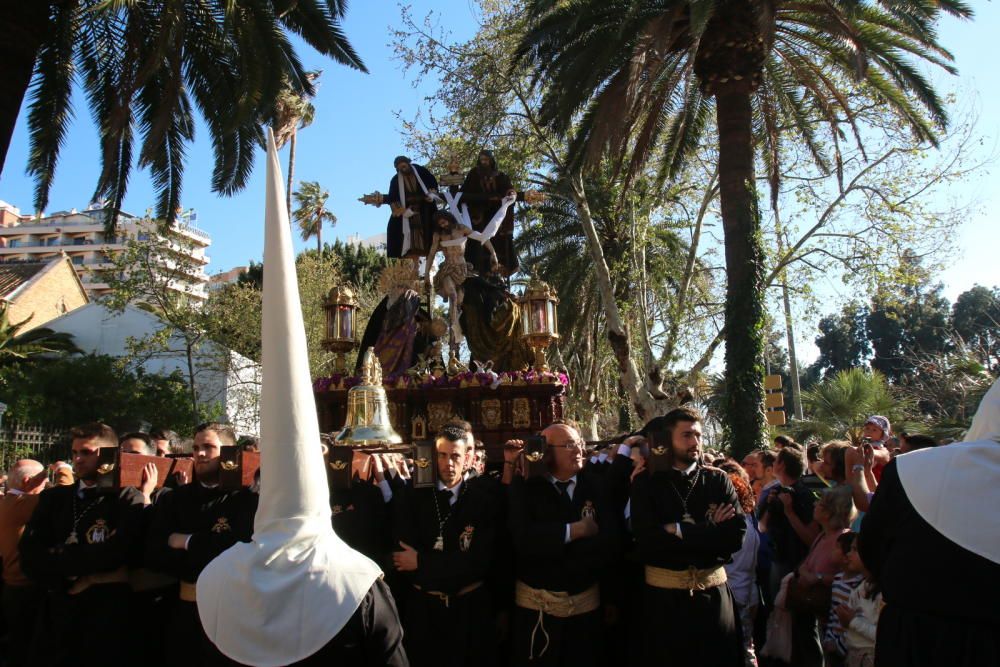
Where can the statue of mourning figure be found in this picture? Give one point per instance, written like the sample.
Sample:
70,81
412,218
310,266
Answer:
450,237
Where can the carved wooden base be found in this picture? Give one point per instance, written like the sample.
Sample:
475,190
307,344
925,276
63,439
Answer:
497,415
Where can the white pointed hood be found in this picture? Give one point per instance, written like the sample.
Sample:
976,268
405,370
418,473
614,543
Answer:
942,482
285,595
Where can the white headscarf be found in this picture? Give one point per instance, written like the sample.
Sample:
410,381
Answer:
284,596
942,483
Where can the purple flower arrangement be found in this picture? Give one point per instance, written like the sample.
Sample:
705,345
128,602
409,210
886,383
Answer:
428,381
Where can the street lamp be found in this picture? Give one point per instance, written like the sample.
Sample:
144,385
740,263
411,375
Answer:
341,310
539,325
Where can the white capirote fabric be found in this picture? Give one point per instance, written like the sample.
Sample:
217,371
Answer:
285,595
946,484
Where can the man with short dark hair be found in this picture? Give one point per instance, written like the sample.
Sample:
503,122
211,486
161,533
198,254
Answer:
164,440
446,536
76,546
687,523
565,535
782,441
786,516
191,526
767,480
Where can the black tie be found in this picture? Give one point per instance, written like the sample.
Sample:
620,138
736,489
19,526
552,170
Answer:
564,489
445,496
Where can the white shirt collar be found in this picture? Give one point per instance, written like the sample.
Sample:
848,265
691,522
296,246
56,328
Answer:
454,490
571,480
15,492
689,470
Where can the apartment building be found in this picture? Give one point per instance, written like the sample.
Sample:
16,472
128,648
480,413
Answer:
80,234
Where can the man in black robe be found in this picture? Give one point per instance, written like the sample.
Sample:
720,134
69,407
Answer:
76,546
565,536
687,524
445,538
412,206
483,191
191,526
931,540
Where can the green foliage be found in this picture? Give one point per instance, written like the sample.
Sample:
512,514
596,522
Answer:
311,213
50,394
975,318
837,406
843,340
145,67
16,346
358,265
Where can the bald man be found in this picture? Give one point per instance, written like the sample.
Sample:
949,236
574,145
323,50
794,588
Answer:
20,601
564,538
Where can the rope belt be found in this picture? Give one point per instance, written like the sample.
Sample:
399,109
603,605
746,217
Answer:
188,592
445,598
691,579
554,603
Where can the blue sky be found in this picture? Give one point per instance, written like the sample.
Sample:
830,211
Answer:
350,147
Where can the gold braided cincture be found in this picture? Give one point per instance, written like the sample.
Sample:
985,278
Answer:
691,579
554,603
188,592
445,598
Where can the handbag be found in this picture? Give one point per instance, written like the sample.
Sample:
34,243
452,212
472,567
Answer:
812,599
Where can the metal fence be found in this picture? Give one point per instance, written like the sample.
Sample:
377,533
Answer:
32,441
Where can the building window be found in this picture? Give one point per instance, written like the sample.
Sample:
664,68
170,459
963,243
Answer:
15,243
78,259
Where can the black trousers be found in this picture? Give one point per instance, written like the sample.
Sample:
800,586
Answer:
572,642
150,614
21,607
914,639
468,622
691,629
84,630
187,645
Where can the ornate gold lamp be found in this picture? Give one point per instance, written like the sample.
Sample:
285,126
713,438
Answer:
539,321
341,310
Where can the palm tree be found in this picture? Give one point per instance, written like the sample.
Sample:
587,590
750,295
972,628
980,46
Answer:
144,66
16,346
640,78
838,406
292,113
311,212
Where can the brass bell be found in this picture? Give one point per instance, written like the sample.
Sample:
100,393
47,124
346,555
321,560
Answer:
368,422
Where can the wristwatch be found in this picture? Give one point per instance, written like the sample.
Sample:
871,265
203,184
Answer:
857,467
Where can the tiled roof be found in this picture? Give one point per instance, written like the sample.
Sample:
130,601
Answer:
15,274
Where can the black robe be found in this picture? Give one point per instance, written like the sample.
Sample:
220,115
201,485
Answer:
78,629
683,627
469,535
361,518
940,599
483,193
372,637
415,198
216,519
537,517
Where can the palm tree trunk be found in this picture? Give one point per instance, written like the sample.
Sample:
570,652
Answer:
291,174
25,25
744,418
319,238
629,377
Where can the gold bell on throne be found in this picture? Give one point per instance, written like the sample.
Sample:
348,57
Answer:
368,423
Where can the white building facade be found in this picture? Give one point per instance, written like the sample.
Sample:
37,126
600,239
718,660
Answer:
80,234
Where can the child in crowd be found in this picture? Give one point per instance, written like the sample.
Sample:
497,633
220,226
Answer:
860,616
844,584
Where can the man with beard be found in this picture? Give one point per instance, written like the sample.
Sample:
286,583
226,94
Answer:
565,536
446,536
192,525
687,523
76,546
483,191
412,197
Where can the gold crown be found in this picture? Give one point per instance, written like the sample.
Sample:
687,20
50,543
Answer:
401,274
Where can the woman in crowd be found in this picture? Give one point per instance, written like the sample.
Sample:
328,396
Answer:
833,512
742,570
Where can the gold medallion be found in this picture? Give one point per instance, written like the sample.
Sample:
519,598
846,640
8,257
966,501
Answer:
72,539
439,543
97,533
465,539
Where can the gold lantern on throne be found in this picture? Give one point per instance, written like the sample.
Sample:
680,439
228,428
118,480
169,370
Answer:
341,309
539,320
